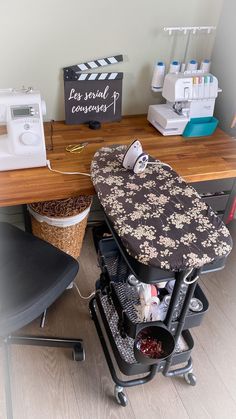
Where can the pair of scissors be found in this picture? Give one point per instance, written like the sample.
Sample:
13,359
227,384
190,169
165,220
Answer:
76,148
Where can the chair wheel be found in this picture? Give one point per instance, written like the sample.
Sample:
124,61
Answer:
190,378
120,396
78,353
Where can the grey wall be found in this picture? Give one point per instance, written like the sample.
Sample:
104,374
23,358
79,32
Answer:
39,38
224,65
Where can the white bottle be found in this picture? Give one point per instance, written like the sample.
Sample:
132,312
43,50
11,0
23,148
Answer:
158,76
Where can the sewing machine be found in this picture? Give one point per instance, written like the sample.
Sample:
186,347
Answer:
23,145
190,100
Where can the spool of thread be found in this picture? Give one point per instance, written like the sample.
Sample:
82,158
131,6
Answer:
192,65
174,67
205,66
158,76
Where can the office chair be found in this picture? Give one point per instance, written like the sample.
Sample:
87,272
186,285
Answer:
33,274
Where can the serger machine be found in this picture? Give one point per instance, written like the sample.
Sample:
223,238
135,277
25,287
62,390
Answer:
190,101
22,144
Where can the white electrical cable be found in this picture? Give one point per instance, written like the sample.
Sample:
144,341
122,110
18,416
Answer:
160,163
66,173
82,296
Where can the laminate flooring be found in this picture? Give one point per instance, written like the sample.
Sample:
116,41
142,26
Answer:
47,384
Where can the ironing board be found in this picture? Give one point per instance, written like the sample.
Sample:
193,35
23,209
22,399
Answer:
161,220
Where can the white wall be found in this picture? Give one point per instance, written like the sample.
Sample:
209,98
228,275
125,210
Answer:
39,38
224,66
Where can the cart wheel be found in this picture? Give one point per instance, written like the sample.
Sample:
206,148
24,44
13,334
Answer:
190,378
120,396
78,353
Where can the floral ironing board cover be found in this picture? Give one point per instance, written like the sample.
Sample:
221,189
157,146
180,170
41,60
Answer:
161,220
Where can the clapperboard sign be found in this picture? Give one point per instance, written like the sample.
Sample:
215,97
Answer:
93,96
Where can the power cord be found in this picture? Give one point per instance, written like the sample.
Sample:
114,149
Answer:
160,163
65,173
82,296
73,173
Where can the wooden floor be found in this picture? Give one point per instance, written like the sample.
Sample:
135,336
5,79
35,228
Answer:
47,384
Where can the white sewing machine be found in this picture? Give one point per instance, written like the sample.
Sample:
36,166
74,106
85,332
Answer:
23,145
189,95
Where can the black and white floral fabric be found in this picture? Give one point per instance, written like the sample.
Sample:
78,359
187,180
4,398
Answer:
161,220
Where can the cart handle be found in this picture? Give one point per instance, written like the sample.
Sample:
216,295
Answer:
191,281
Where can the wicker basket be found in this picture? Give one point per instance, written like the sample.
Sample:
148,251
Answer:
61,223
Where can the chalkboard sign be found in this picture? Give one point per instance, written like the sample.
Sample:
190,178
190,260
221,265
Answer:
92,96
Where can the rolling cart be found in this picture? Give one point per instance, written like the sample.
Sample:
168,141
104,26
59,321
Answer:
114,307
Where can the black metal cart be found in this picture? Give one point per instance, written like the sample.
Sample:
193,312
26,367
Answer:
115,318
161,231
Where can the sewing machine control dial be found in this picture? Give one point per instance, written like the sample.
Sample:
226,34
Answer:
29,138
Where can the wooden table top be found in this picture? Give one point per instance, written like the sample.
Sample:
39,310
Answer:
195,159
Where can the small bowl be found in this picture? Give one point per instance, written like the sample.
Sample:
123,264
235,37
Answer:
150,335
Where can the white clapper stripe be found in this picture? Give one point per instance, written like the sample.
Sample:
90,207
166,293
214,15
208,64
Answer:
82,67
112,60
82,76
92,76
92,64
103,76
102,62
112,76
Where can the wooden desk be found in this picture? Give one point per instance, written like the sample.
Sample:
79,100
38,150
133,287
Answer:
197,160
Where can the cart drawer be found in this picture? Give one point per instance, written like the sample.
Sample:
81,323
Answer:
214,186
216,202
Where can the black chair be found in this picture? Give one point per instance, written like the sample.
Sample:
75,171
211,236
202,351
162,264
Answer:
33,274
